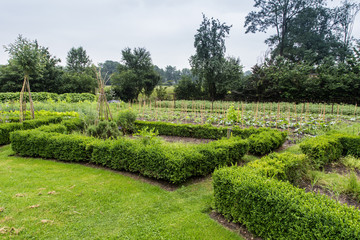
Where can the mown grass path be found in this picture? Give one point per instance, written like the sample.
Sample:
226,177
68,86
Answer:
42,199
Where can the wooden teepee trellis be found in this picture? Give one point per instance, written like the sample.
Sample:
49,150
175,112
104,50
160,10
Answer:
103,107
26,85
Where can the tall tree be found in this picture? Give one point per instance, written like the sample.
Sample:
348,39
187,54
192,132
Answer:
311,37
28,57
77,60
207,63
344,21
136,74
107,68
277,14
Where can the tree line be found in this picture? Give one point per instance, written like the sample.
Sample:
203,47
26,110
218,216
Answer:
312,57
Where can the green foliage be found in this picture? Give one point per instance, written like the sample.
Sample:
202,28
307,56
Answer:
266,141
232,115
35,143
285,166
47,96
322,149
160,92
172,162
353,186
148,136
350,143
126,120
327,148
209,59
135,75
26,55
104,130
77,60
78,82
275,209
351,162
197,131
7,128
187,89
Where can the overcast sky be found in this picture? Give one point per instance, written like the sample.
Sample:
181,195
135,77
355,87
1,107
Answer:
166,28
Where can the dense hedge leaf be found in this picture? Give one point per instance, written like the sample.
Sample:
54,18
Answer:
275,209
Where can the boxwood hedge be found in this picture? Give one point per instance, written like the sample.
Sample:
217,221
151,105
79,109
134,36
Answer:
7,128
275,209
172,162
327,148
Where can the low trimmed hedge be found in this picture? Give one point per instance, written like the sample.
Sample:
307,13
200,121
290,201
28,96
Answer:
36,143
7,128
350,143
44,96
330,147
197,131
284,166
261,140
172,162
275,209
266,141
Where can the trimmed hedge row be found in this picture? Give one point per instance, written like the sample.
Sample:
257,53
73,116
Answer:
328,148
13,116
172,162
275,209
44,96
261,140
266,141
7,128
285,166
197,131
36,143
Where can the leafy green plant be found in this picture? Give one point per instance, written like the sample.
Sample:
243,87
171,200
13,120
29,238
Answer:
231,115
104,130
126,121
148,136
353,186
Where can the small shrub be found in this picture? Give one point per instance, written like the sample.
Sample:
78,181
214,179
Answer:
126,121
104,130
148,136
231,115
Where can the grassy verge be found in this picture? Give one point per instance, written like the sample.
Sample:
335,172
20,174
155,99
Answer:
52,200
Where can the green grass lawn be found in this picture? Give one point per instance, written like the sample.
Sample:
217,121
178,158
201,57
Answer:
42,199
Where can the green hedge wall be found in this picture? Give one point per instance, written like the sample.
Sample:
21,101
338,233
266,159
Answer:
172,162
197,131
330,147
350,143
322,149
261,140
275,209
266,141
284,166
44,96
7,128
